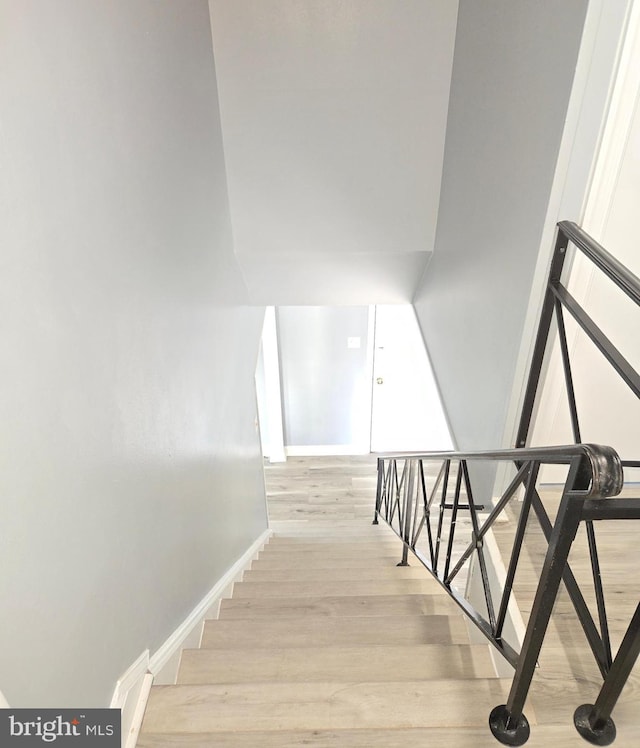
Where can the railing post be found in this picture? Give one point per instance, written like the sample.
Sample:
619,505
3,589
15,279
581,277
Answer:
408,504
507,721
594,722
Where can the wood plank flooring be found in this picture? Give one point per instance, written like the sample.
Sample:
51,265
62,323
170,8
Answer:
327,643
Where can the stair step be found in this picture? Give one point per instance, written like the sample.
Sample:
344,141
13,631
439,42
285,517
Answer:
293,554
338,588
344,631
322,706
332,539
342,510
354,525
300,537
319,512
302,534
336,550
354,605
310,664
425,737
345,573
318,496
324,561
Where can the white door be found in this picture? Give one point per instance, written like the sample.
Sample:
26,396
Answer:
406,413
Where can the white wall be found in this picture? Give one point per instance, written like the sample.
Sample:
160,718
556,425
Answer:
513,70
130,476
326,385
608,411
334,115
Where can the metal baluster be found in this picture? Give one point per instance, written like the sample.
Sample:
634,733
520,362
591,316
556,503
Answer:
488,523
443,501
479,548
427,507
534,467
577,598
380,464
507,721
452,522
599,591
408,499
416,504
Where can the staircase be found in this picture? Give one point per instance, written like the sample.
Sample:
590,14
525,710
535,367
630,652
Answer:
326,642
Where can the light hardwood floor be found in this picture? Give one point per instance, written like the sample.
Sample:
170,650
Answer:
326,642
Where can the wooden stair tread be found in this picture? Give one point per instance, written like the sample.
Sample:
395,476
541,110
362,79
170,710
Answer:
554,736
330,529
329,548
294,555
321,706
337,588
343,573
334,631
373,663
348,540
352,605
323,561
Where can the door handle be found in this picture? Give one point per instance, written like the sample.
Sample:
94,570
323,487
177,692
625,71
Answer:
379,380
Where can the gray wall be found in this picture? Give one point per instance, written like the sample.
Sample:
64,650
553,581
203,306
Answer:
130,475
512,76
326,386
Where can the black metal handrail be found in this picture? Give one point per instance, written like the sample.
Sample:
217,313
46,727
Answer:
557,298
602,466
424,511
419,511
610,265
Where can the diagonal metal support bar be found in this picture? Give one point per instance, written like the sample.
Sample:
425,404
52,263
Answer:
452,522
488,523
443,501
533,468
599,592
576,596
479,549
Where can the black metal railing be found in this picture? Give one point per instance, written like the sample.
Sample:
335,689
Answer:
429,501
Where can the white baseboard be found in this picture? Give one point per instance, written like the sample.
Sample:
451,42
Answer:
134,722
277,456
326,450
130,696
163,664
132,689
127,682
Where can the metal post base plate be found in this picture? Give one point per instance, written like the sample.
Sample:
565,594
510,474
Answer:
517,735
604,736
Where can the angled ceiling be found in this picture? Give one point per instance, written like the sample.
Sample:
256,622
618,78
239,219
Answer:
333,117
